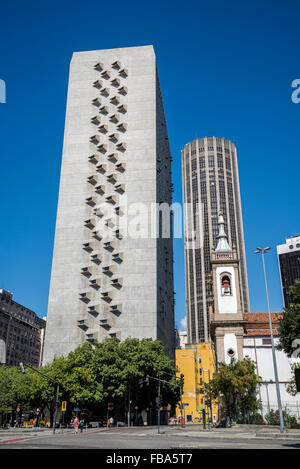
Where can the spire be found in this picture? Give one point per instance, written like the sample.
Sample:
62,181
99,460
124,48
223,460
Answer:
223,244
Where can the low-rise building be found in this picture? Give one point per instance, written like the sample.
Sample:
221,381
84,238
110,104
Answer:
21,333
197,363
257,345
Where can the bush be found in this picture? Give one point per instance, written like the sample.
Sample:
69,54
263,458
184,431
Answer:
289,420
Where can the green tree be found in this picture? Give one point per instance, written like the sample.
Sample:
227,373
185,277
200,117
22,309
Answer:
291,386
236,383
289,323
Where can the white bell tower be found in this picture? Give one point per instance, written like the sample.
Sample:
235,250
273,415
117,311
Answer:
227,324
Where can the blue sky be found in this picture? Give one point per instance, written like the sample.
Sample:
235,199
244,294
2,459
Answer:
226,69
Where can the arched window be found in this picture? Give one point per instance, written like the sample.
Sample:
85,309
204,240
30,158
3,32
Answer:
226,285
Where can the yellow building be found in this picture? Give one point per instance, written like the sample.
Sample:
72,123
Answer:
198,365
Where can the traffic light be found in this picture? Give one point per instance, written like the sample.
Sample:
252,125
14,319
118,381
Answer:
147,380
182,380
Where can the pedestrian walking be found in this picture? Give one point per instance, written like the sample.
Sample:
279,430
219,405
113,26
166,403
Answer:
81,425
76,424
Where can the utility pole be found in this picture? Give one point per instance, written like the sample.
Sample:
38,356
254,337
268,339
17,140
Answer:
262,252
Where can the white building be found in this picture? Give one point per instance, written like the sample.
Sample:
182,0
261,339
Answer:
111,275
257,346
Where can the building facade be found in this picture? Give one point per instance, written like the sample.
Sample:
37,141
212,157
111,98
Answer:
257,345
210,184
112,270
289,265
197,364
21,333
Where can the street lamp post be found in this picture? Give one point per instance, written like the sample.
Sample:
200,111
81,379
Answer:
262,252
22,368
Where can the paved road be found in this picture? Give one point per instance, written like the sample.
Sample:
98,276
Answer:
140,438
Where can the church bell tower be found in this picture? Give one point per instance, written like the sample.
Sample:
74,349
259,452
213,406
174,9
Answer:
227,324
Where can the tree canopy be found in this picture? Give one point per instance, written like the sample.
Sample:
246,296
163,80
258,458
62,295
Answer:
289,324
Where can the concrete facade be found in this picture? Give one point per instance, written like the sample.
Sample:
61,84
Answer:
111,275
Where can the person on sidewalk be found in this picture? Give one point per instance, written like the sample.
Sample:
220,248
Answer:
81,425
76,425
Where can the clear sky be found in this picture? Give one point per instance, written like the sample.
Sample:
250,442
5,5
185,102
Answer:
226,69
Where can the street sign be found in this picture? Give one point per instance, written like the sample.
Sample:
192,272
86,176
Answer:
64,406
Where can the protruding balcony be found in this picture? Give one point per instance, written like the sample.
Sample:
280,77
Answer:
117,282
97,84
95,283
95,158
88,246
109,246
123,72
103,128
116,65
122,108
104,92
121,146
92,179
102,148
87,271
113,157
108,270
123,90
96,258
98,211
109,223
111,199
112,178
91,201
96,101
106,296
116,309
116,82
104,110
99,67
117,257
105,74
85,297
115,100
105,323
122,127
114,118
101,168
96,120
91,337
118,234
94,309
114,137
120,188
95,139
100,189
96,234
120,167
90,223
82,323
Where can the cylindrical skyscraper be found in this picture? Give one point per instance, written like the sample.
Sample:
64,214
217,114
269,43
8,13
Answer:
210,184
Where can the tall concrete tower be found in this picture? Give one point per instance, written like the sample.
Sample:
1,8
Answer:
210,184
112,272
